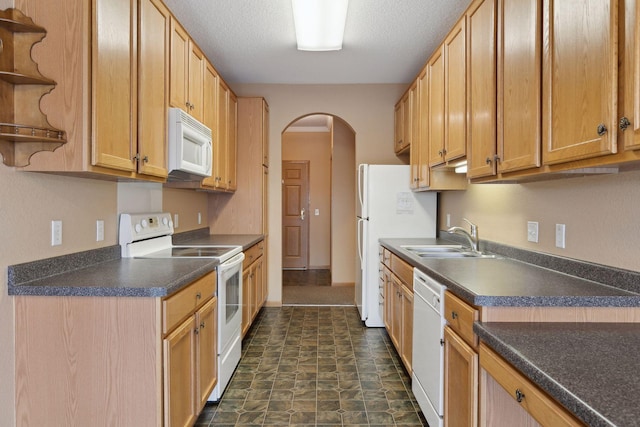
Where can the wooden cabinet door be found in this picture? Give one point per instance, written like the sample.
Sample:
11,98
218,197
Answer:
407,328
114,77
396,314
398,126
422,138
210,113
408,107
455,54
388,298
580,63
259,278
631,95
196,79
153,87
460,382
220,144
179,67
207,350
246,298
436,117
179,374
232,143
481,89
519,84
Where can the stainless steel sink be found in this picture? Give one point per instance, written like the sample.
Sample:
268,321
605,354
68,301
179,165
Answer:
444,251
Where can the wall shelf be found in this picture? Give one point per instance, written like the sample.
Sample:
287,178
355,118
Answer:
24,129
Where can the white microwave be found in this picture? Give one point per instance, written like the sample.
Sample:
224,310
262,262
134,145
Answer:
190,146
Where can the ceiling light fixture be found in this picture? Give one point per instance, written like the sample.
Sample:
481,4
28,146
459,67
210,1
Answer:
319,23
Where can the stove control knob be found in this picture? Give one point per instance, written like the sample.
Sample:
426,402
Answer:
165,221
144,223
138,228
170,224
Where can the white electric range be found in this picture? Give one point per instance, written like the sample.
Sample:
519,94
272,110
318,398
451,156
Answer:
148,235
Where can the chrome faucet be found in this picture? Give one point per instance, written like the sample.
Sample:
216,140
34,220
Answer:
471,237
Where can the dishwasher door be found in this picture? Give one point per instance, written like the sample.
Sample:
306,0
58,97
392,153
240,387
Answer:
428,347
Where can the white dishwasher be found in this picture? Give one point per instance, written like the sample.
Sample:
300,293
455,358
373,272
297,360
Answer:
428,346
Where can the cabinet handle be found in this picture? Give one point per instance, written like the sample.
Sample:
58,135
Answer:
198,295
624,123
145,159
136,157
496,158
440,153
454,315
488,160
196,331
602,129
202,325
519,395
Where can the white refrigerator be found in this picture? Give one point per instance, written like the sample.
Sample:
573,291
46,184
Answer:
386,208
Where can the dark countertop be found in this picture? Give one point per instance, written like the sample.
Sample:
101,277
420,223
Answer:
508,282
590,368
101,272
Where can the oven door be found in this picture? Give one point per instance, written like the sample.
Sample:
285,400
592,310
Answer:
229,301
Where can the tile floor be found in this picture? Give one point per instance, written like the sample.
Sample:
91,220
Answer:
316,366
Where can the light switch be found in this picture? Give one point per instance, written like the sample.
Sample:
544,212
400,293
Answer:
560,236
532,231
316,212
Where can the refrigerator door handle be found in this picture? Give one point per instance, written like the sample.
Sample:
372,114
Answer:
361,169
360,242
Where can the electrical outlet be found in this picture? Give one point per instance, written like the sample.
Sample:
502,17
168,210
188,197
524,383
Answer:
532,231
99,230
317,212
175,221
56,233
199,218
448,220
560,236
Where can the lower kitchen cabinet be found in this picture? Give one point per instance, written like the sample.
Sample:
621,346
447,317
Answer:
397,287
135,361
190,366
254,292
510,399
460,363
461,381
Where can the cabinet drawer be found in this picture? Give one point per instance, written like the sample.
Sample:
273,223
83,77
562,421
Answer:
182,304
403,270
533,400
385,256
460,317
252,254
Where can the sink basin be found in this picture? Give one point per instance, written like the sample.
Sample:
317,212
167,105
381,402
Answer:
444,251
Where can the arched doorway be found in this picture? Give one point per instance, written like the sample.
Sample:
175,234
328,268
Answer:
318,211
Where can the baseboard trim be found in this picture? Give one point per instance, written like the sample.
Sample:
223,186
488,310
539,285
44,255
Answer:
343,284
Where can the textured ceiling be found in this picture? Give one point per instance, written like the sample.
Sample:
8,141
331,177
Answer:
253,41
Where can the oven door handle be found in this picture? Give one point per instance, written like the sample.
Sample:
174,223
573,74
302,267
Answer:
233,261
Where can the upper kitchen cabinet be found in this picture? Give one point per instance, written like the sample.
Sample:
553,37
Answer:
481,88
629,122
24,129
109,58
187,72
423,177
405,119
447,98
504,136
210,116
580,71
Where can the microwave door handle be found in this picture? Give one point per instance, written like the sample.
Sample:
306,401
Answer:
209,157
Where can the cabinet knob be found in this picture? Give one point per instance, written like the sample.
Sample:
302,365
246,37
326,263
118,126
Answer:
624,123
496,158
602,129
488,160
145,159
136,157
196,331
202,325
454,315
198,295
440,153
519,395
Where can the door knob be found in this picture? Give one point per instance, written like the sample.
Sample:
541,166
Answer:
302,214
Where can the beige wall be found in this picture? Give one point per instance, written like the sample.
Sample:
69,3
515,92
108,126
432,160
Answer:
367,108
316,148
343,206
187,204
600,212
